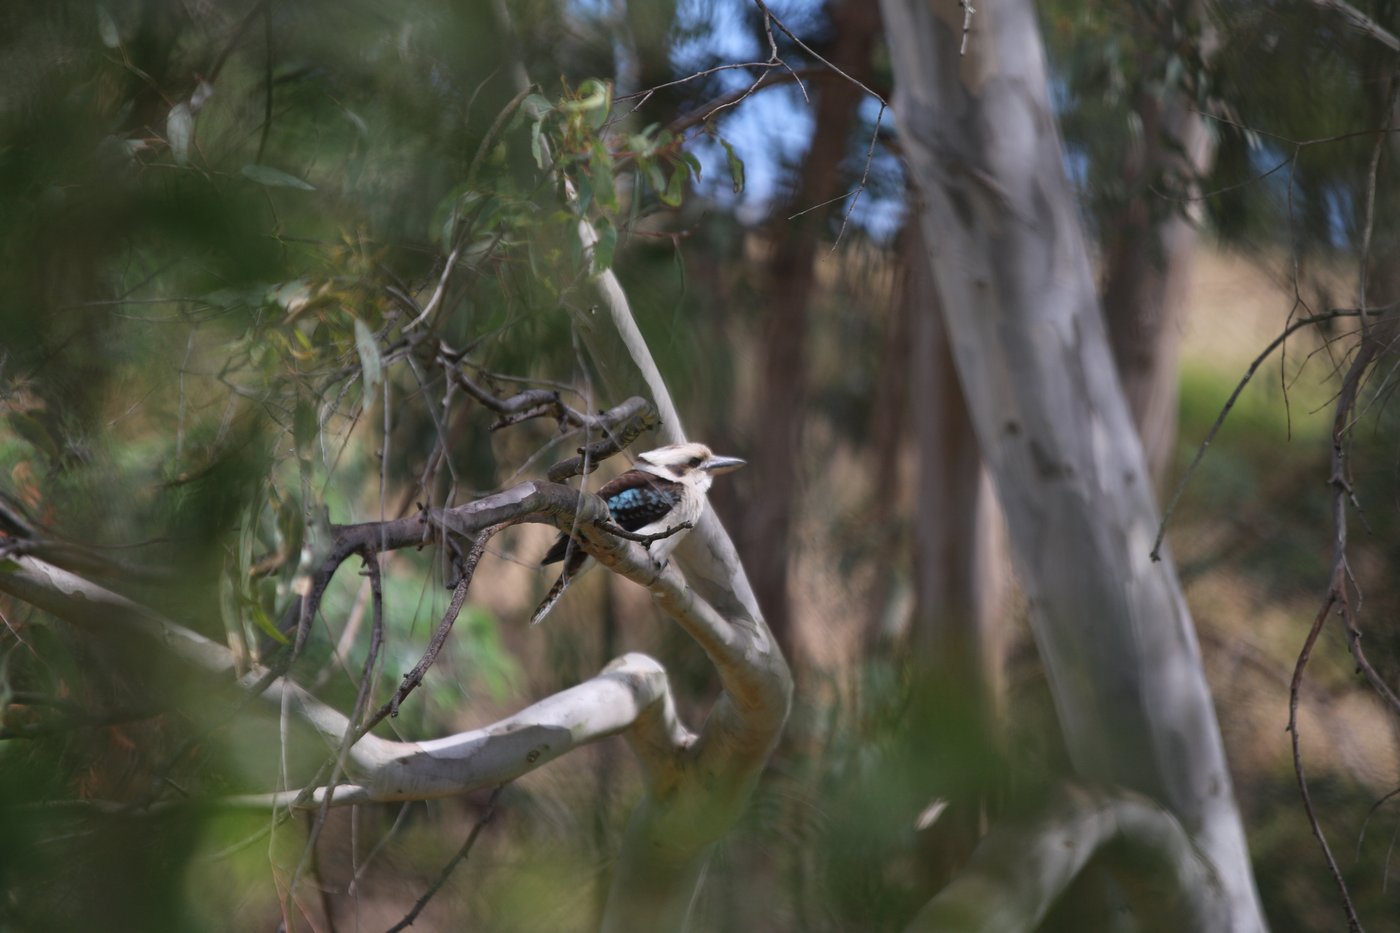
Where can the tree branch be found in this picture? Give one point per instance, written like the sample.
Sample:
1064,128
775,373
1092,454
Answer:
1019,871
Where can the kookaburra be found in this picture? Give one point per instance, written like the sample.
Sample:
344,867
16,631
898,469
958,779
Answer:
665,488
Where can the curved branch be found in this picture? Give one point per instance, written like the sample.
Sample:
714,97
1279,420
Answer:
632,695
1019,871
632,692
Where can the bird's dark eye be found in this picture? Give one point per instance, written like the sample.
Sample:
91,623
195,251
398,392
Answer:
695,462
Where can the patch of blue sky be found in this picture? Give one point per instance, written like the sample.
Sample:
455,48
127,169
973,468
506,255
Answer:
771,130
712,30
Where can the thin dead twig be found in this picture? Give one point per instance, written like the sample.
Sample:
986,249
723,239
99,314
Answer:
1292,328
456,860
376,643
1295,686
621,426
414,678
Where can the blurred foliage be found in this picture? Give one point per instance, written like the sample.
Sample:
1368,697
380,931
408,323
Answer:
236,240
1114,62
221,223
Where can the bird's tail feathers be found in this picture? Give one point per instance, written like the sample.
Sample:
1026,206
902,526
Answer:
550,599
571,571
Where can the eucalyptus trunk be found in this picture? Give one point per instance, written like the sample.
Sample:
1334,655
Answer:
1017,294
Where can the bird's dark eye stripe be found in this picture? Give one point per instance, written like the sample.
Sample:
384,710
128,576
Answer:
696,461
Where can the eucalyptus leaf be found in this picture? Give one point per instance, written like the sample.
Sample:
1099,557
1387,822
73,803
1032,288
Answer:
179,131
275,178
201,96
536,107
601,256
371,363
107,29
736,167
268,627
675,188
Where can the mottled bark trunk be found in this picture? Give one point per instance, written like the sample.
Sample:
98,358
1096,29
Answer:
1018,297
782,391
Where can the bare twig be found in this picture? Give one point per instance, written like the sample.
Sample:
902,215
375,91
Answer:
769,79
763,7
967,24
619,431
436,298
413,678
1219,422
1370,217
1353,922
615,529
456,860
1361,22
619,425
864,176
1337,595
361,701
1375,807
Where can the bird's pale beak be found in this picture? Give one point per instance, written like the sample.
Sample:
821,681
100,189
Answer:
719,465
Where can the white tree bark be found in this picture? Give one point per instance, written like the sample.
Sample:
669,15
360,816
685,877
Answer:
1019,871
1014,279
672,830
630,696
696,785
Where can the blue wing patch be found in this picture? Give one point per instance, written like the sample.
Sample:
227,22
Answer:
635,499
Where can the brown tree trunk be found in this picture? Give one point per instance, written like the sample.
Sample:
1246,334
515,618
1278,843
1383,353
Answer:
958,551
1146,268
957,635
782,390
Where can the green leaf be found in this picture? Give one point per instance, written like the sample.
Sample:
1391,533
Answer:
291,296
107,28
584,187
9,566
371,364
597,102
179,130
202,92
275,178
536,145
736,167
228,600
675,188
536,107
655,177
604,188
261,620
361,127
601,256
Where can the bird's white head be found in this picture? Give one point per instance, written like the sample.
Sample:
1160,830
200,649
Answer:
693,464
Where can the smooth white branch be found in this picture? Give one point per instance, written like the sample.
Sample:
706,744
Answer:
1019,871
631,695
